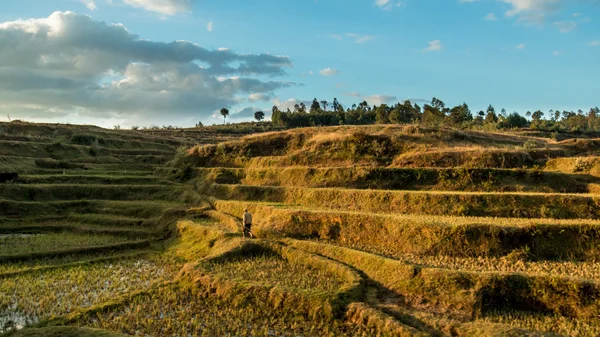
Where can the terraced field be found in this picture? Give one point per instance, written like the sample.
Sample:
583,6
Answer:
85,221
454,233
363,231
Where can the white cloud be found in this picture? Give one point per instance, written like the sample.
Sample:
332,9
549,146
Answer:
352,94
69,64
466,1
521,46
388,5
90,4
209,26
491,17
435,45
537,11
380,99
557,52
373,99
164,7
595,43
329,71
259,97
288,104
565,26
357,38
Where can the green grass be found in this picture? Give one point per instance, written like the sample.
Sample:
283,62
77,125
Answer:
134,208
23,243
40,294
78,179
48,262
89,192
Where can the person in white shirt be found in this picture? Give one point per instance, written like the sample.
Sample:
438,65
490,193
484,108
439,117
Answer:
247,220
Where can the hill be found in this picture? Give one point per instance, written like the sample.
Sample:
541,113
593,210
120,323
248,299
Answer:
364,230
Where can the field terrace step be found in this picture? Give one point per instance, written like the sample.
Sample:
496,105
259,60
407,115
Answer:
493,204
66,151
125,246
10,209
25,192
449,179
474,293
73,227
91,173
92,179
423,235
112,220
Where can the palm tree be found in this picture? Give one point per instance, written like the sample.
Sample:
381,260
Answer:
224,113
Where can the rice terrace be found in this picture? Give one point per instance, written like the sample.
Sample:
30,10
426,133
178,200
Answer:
377,230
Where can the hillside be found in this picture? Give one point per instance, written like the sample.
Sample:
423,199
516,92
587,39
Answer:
452,231
363,231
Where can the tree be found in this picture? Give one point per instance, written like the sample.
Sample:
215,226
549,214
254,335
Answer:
315,107
438,104
324,104
514,120
224,113
259,116
302,107
460,114
335,104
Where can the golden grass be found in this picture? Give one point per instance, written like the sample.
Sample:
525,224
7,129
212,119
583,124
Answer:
509,204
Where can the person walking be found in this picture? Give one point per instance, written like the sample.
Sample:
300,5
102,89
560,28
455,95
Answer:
247,220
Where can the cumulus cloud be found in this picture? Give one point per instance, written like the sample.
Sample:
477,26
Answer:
329,72
435,45
164,7
71,64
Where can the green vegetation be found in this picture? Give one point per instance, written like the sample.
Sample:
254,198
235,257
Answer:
434,114
14,244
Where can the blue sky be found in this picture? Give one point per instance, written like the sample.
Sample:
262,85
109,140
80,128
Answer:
67,67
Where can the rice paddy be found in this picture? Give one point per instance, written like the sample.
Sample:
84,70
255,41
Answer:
38,295
24,243
181,311
270,269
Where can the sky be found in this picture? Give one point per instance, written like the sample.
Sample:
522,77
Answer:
177,62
